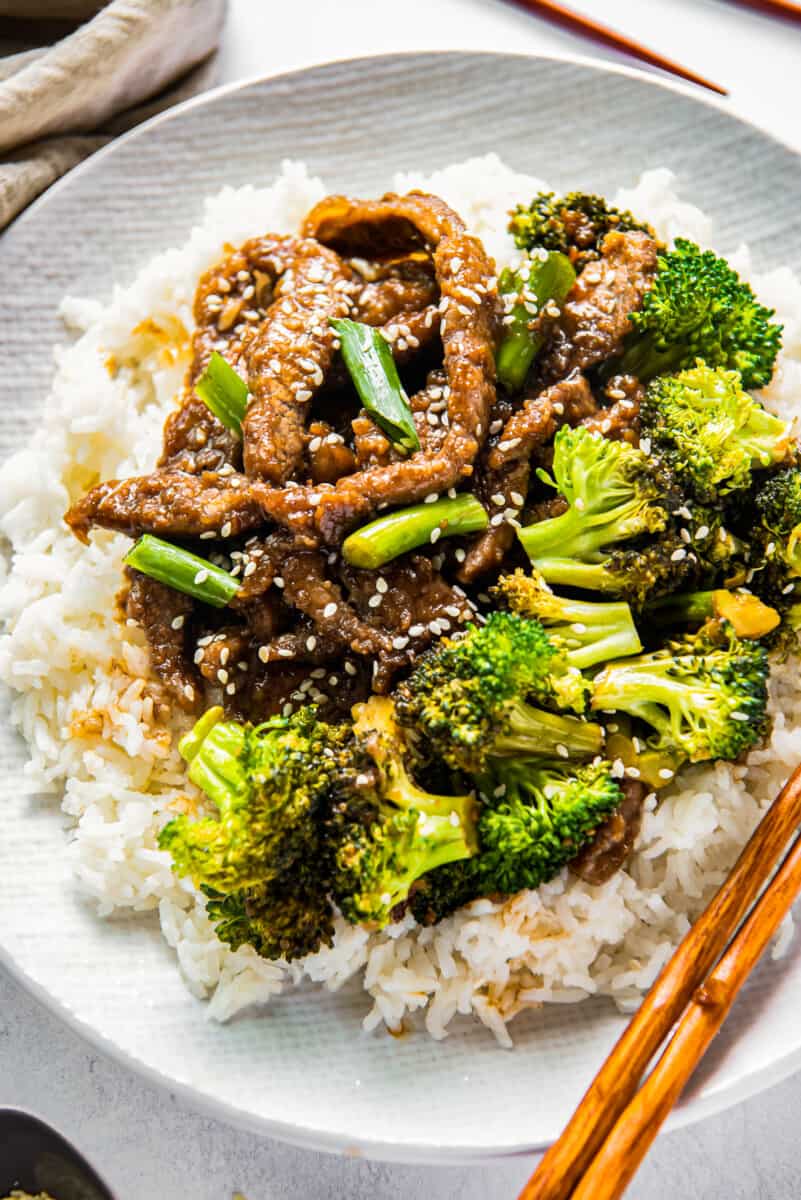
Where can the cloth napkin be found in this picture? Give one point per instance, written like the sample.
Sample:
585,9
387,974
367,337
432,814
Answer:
60,102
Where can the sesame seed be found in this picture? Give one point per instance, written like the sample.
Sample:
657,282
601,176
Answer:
317,673
498,498
435,535
740,716
226,530
496,520
198,656
666,773
330,610
230,688
645,445
311,642
374,601
431,498
561,750
678,555
284,652
201,576
349,668
207,535
790,587
189,691
633,772
684,534
177,623
579,503
702,531
381,585
225,654
315,444
416,630
459,554
278,581
400,642
517,499
264,654
249,569
579,627
333,680
286,711
222,675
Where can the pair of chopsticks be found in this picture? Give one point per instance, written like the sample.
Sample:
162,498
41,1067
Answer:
566,18
611,1130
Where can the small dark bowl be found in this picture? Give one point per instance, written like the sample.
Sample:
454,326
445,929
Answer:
34,1158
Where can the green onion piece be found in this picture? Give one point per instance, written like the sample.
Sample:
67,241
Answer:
224,392
191,742
183,571
394,534
549,278
372,368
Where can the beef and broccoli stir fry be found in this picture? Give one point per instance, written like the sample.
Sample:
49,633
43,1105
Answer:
453,568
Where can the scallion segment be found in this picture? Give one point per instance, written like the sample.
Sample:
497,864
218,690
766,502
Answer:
543,279
394,534
372,368
224,391
183,571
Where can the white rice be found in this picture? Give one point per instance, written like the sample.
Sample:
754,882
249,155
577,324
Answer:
98,743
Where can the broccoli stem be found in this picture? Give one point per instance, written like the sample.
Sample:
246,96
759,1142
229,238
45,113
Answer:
182,571
191,742
549,278
746,613
530,730
391,535
372,368
217,766
569,572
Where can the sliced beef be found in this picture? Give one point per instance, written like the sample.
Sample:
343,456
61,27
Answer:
621,420
171,503
595,316
165,617
469,329
614,840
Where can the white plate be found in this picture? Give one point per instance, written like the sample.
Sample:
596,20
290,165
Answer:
304,1071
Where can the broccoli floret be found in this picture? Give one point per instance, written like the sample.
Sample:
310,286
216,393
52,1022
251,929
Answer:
778,509
615,494
402,833
536,815
698,307
467,699
269,783
705,695
587,632
575,224
287,919
710,431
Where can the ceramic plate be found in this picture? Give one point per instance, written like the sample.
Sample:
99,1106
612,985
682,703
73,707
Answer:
305,1071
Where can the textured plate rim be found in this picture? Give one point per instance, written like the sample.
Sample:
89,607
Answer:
706,1103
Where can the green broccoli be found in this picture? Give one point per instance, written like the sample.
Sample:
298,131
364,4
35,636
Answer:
615,494
269,784
466,700
587,632
402,833
710,431
536,815
698,307
288,918
745,612
544,279
575,224
705,695
778,510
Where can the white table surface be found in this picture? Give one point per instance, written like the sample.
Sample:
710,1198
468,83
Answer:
147,1143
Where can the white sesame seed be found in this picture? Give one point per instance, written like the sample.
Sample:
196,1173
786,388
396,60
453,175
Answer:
497,519
189,691
317,673
349,668
579,503
702,531
330,610
286,711
226,530
249,569
381,585
517,499
222,675
684,534
374,601
400,642
311,642
431,498
198,656
633,772
678,555
740,716
416,630
459,554
788,588
435,535
498,498
284,652
561,750
278,581
264,654
315,444
207,535
665,773
225,654
201,576
177,623
578,627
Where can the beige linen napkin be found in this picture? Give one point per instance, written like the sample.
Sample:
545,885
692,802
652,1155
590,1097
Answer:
57,102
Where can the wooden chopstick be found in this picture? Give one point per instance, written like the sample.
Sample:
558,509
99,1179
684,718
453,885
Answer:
616,1163
615,1085
575,22
774,8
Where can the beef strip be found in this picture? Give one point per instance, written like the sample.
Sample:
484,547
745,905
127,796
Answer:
372,447
614,840
395,290
291,350
469,329
504,469
595,315
328,456
164,615
621,420
171,502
